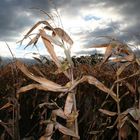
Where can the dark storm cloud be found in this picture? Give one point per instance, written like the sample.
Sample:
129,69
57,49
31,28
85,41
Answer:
16,15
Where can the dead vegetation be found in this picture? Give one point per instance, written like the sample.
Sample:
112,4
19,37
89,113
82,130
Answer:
75,99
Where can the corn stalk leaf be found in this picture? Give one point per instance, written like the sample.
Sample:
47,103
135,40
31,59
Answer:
33,40
134,112
30,87
45,83
50,48
92,80
51,51
63,35
107,112
60,113
128,58
121,121
54,40
35,26
68,104
72,117
65,130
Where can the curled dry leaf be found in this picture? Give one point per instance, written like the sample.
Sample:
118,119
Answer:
128,58
63,35
35,26
45,83
51,51
134,112
92,80
66,131
53,40
30,87
50,48
107,112
117,48
33,40
60,113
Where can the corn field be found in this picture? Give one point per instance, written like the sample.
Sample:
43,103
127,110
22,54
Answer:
85,98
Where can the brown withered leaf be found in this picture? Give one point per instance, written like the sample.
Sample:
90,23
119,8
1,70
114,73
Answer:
68,104
60,113
35,26
121,121
33,40
92,80
54,40
30,87
107,112
51,51
73,116
50,48
63,35
108,52
66,131
45,83
128,58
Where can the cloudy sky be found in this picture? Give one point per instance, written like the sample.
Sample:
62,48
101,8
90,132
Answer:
84,20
